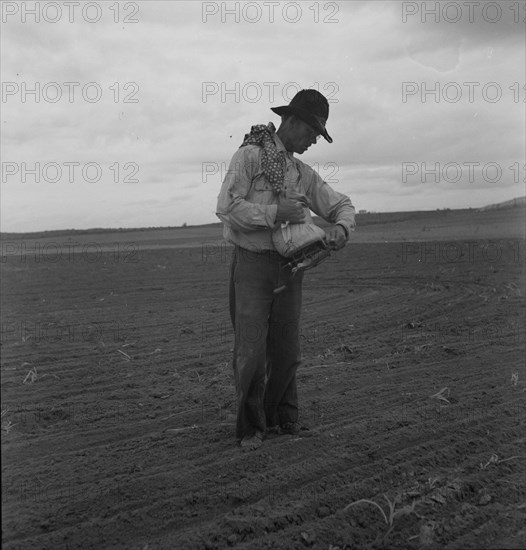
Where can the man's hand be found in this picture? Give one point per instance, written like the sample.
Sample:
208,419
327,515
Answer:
336,237
290,211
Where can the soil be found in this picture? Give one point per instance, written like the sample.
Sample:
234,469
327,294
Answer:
118,404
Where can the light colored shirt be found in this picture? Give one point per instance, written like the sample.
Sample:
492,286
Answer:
247,205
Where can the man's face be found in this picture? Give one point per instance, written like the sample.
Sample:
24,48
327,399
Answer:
302,136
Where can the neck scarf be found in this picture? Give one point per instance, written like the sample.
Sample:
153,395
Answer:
272,160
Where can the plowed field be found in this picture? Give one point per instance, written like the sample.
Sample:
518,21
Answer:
118,403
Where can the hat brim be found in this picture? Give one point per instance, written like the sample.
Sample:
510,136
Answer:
316,122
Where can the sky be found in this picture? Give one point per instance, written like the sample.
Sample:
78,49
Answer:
126,114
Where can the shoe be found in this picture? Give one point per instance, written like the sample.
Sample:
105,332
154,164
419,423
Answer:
272,430
252,442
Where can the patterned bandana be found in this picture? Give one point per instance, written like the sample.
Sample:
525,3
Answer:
272,160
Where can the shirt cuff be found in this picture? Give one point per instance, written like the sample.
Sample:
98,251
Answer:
345,228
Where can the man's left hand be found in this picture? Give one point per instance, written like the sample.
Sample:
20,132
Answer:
336,237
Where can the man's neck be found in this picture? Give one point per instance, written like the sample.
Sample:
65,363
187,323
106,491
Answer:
283,137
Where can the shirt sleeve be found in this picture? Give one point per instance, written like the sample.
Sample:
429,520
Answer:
233,208
332,206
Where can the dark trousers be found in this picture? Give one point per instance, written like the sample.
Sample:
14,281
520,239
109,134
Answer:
267,339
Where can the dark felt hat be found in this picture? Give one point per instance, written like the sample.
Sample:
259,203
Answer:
311,107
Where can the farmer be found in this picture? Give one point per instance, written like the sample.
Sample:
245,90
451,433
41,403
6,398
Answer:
265,186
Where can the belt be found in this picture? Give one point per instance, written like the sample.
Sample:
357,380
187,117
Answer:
261,253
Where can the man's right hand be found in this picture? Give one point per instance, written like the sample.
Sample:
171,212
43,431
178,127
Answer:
290,211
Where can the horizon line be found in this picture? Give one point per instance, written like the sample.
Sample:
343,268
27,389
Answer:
511,203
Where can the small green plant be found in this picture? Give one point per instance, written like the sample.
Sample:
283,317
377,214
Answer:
128,358
440,395
494,459
6,423
392,514
31,376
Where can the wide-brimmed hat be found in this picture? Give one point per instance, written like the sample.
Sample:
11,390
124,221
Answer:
311,107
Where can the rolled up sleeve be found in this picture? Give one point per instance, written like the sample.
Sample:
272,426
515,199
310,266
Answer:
233,208
332,206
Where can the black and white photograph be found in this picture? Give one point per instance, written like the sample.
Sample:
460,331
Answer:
262,274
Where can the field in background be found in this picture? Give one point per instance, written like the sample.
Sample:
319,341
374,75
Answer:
507,223
118,403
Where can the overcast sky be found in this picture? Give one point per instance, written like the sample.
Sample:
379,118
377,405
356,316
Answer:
181,86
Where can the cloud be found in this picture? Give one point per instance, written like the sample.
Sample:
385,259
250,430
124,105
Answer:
201,85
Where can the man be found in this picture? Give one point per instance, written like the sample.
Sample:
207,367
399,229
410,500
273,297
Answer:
266,185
